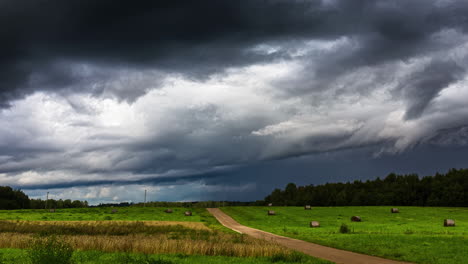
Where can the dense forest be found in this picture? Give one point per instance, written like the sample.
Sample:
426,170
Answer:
450,189
16,199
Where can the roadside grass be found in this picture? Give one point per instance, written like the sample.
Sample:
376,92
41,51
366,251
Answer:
19,256
415,234
210,221
104,214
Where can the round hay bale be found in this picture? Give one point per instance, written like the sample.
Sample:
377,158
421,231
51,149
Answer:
314,224
394,210
356,218
307,207
114,211
52,210
168,211
449,222
188,213
270,204
271,212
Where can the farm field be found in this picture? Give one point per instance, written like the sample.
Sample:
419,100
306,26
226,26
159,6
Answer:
134,235
415,234
104,213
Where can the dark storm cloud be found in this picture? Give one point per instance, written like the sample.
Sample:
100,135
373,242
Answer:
202,86
423,86
452,137
201,37
173,180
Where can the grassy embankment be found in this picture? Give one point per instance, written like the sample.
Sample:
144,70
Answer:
415,234
181,239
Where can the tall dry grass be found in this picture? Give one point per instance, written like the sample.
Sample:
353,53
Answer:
100,227
140,237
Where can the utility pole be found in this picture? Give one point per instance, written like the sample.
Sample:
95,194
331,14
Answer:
47,199
144,204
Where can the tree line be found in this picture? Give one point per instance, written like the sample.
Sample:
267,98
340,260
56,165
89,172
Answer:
449,189
17,199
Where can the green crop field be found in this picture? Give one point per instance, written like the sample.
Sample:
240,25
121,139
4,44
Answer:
415,234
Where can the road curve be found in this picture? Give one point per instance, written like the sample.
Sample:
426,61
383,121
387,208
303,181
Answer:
315,250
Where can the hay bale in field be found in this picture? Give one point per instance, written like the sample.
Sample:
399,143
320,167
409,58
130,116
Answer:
168,211
270,204
449,222
356,218
271,212
188,213
307,207
114,211
394,210
314,224
51,210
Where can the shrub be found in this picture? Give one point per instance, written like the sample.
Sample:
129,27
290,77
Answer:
87,256
294,257
239,239
344,229
182,256
141,259
50,250
148,260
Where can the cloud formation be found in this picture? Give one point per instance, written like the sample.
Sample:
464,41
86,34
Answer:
165,92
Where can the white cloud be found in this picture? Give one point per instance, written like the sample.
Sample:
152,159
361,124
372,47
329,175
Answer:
193,191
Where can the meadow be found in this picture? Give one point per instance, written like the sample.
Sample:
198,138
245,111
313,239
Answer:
134,235
104,213
415,234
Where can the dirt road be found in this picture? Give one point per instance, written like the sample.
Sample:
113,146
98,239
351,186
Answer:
328,253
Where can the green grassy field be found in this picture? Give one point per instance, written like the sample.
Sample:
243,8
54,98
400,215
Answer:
103,213
174,238
415,234
122,214
18,256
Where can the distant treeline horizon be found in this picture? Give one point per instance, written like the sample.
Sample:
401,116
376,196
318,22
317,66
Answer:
449,189
11,199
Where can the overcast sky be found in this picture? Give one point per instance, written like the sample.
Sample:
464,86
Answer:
200,100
